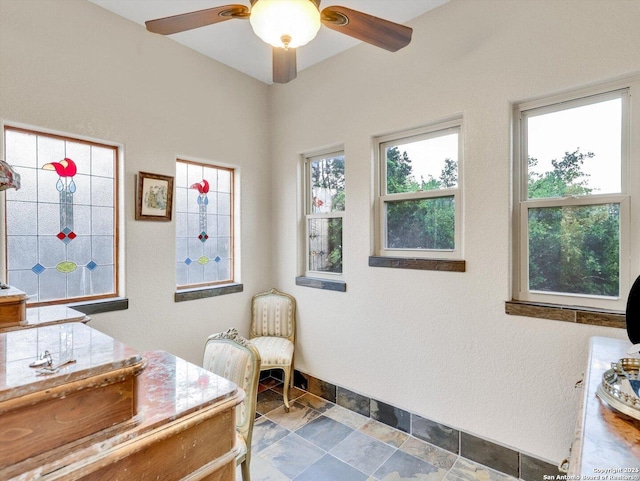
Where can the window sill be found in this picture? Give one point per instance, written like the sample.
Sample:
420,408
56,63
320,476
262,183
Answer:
208,291
102,305
446,265
325,284
556,312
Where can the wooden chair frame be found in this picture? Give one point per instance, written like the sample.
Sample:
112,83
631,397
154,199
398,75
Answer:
288,370
245,426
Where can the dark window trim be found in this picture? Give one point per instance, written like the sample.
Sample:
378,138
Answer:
102,305
325,284
209,291
576,314
446,265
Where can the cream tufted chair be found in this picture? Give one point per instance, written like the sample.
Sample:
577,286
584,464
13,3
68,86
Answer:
229,355
273,332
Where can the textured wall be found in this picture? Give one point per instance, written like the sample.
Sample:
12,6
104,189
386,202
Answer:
439,343
435,343
70,66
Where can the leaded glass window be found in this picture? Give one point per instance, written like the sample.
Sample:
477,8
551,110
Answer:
61,239
204,224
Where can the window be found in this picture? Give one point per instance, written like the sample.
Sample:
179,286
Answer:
325,208
419,207
204,224
572,211
61,237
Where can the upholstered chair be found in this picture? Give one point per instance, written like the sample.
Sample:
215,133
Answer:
273,332
229,355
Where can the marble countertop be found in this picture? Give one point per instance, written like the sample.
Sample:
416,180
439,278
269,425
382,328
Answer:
37,316
45,316
170,390
171,395
607,443
95,353
12,295
171,387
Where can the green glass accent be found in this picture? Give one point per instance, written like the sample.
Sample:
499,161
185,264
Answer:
66,267
203,260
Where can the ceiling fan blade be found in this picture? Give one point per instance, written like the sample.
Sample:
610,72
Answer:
200,18
376,31
284,65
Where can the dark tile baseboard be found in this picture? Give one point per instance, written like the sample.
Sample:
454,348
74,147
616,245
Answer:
435,433
490,454
483,451
350,400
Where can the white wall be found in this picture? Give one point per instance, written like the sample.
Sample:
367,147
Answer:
435,343
72,67
439,344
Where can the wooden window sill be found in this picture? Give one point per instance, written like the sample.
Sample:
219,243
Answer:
446,265
556,312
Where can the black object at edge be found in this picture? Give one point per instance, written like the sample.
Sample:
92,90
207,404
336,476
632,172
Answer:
633,313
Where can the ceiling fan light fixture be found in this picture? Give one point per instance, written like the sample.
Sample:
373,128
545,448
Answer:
285,23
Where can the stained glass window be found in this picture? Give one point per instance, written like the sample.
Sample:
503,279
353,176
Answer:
204,224
61,225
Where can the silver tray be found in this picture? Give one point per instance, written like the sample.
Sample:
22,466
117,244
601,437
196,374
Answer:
620,385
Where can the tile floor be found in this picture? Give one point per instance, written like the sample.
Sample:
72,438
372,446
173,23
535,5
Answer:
321,441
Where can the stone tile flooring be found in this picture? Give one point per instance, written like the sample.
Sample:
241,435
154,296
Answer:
321,441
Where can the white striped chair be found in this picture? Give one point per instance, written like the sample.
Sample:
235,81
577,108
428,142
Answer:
229,355
273,332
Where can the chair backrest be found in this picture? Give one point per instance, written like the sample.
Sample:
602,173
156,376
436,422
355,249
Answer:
229,355
273,313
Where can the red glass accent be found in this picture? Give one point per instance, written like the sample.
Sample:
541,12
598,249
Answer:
202,187
65,168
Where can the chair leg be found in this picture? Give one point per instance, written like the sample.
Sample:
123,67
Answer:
293,372
246,472
285,388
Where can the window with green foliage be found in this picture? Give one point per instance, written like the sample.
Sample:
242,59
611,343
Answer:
325,208
572,212
420,190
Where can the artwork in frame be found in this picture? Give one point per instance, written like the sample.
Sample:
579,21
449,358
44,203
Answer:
154,197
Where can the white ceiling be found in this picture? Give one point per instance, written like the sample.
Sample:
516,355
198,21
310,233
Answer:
234,44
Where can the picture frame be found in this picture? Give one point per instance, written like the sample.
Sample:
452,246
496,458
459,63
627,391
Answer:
154,197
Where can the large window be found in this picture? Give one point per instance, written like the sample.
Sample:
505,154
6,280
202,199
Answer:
572,211
204,224
325,208
61,242
420,193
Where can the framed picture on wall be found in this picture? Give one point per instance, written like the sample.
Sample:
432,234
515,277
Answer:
154,197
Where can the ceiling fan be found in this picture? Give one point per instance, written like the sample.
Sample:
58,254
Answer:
288,24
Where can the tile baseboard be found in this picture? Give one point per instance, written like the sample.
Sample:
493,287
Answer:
488,453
